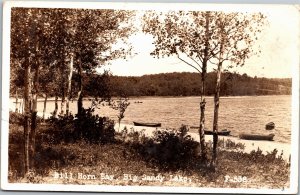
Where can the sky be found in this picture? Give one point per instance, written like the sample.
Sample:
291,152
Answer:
279,44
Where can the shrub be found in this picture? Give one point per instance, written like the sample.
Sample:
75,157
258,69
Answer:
93,128
135,137
16,118
86,126
169,149
258,157
229,144
62,129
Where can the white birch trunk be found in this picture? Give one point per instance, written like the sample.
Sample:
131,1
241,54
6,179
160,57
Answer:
69,85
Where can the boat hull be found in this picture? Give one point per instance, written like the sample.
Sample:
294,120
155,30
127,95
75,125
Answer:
257,137
221,133
147,124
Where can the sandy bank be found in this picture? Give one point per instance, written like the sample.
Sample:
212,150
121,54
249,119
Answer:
265,146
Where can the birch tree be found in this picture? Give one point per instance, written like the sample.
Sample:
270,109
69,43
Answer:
60,54
187,36
202,39
45,40
98,32
26,34
235,35
83,40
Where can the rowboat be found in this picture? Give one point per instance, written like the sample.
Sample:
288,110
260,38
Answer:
268,137
223,132
147,124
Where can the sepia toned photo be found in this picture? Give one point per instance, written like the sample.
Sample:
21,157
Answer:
145,97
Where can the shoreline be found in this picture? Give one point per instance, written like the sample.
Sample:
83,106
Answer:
41,99
250,145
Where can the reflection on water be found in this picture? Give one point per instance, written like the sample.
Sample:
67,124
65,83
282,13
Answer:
247,114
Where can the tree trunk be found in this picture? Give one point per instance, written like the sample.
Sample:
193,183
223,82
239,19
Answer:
22,108
80,95
45,105
30,95
63,98
216,116
63,102
34,113
202,125
26,117
69,84
56,107
216,107
16,109
203,102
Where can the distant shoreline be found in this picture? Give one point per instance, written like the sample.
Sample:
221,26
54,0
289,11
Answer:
41,99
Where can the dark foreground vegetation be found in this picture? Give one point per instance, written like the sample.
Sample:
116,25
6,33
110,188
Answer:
94,148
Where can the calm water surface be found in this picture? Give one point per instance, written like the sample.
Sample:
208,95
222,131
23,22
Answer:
238,114
247,114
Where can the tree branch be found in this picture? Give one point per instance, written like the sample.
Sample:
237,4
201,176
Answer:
197,62
20,66
212,54
188,63
214,63
201,59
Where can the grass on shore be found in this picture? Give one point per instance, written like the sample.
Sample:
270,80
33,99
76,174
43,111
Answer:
123,157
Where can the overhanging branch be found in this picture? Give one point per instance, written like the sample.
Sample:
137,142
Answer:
214,63
188,63
197,63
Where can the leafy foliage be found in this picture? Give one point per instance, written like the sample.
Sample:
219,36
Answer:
173,149
197,37
98,86
88,127
47,38
121,105
93,128
202,38
61,130
16,118
118,157
49,43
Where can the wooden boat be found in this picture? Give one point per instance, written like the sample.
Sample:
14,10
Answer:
270,126
147,124
268,137
223,132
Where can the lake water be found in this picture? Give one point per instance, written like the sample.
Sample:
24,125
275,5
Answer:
246,114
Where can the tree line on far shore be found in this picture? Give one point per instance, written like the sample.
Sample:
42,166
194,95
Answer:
188,84
178,84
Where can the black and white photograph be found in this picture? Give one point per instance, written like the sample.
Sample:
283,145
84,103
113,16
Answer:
150,97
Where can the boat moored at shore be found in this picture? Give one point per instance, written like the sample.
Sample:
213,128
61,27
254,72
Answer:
268,137
147,124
